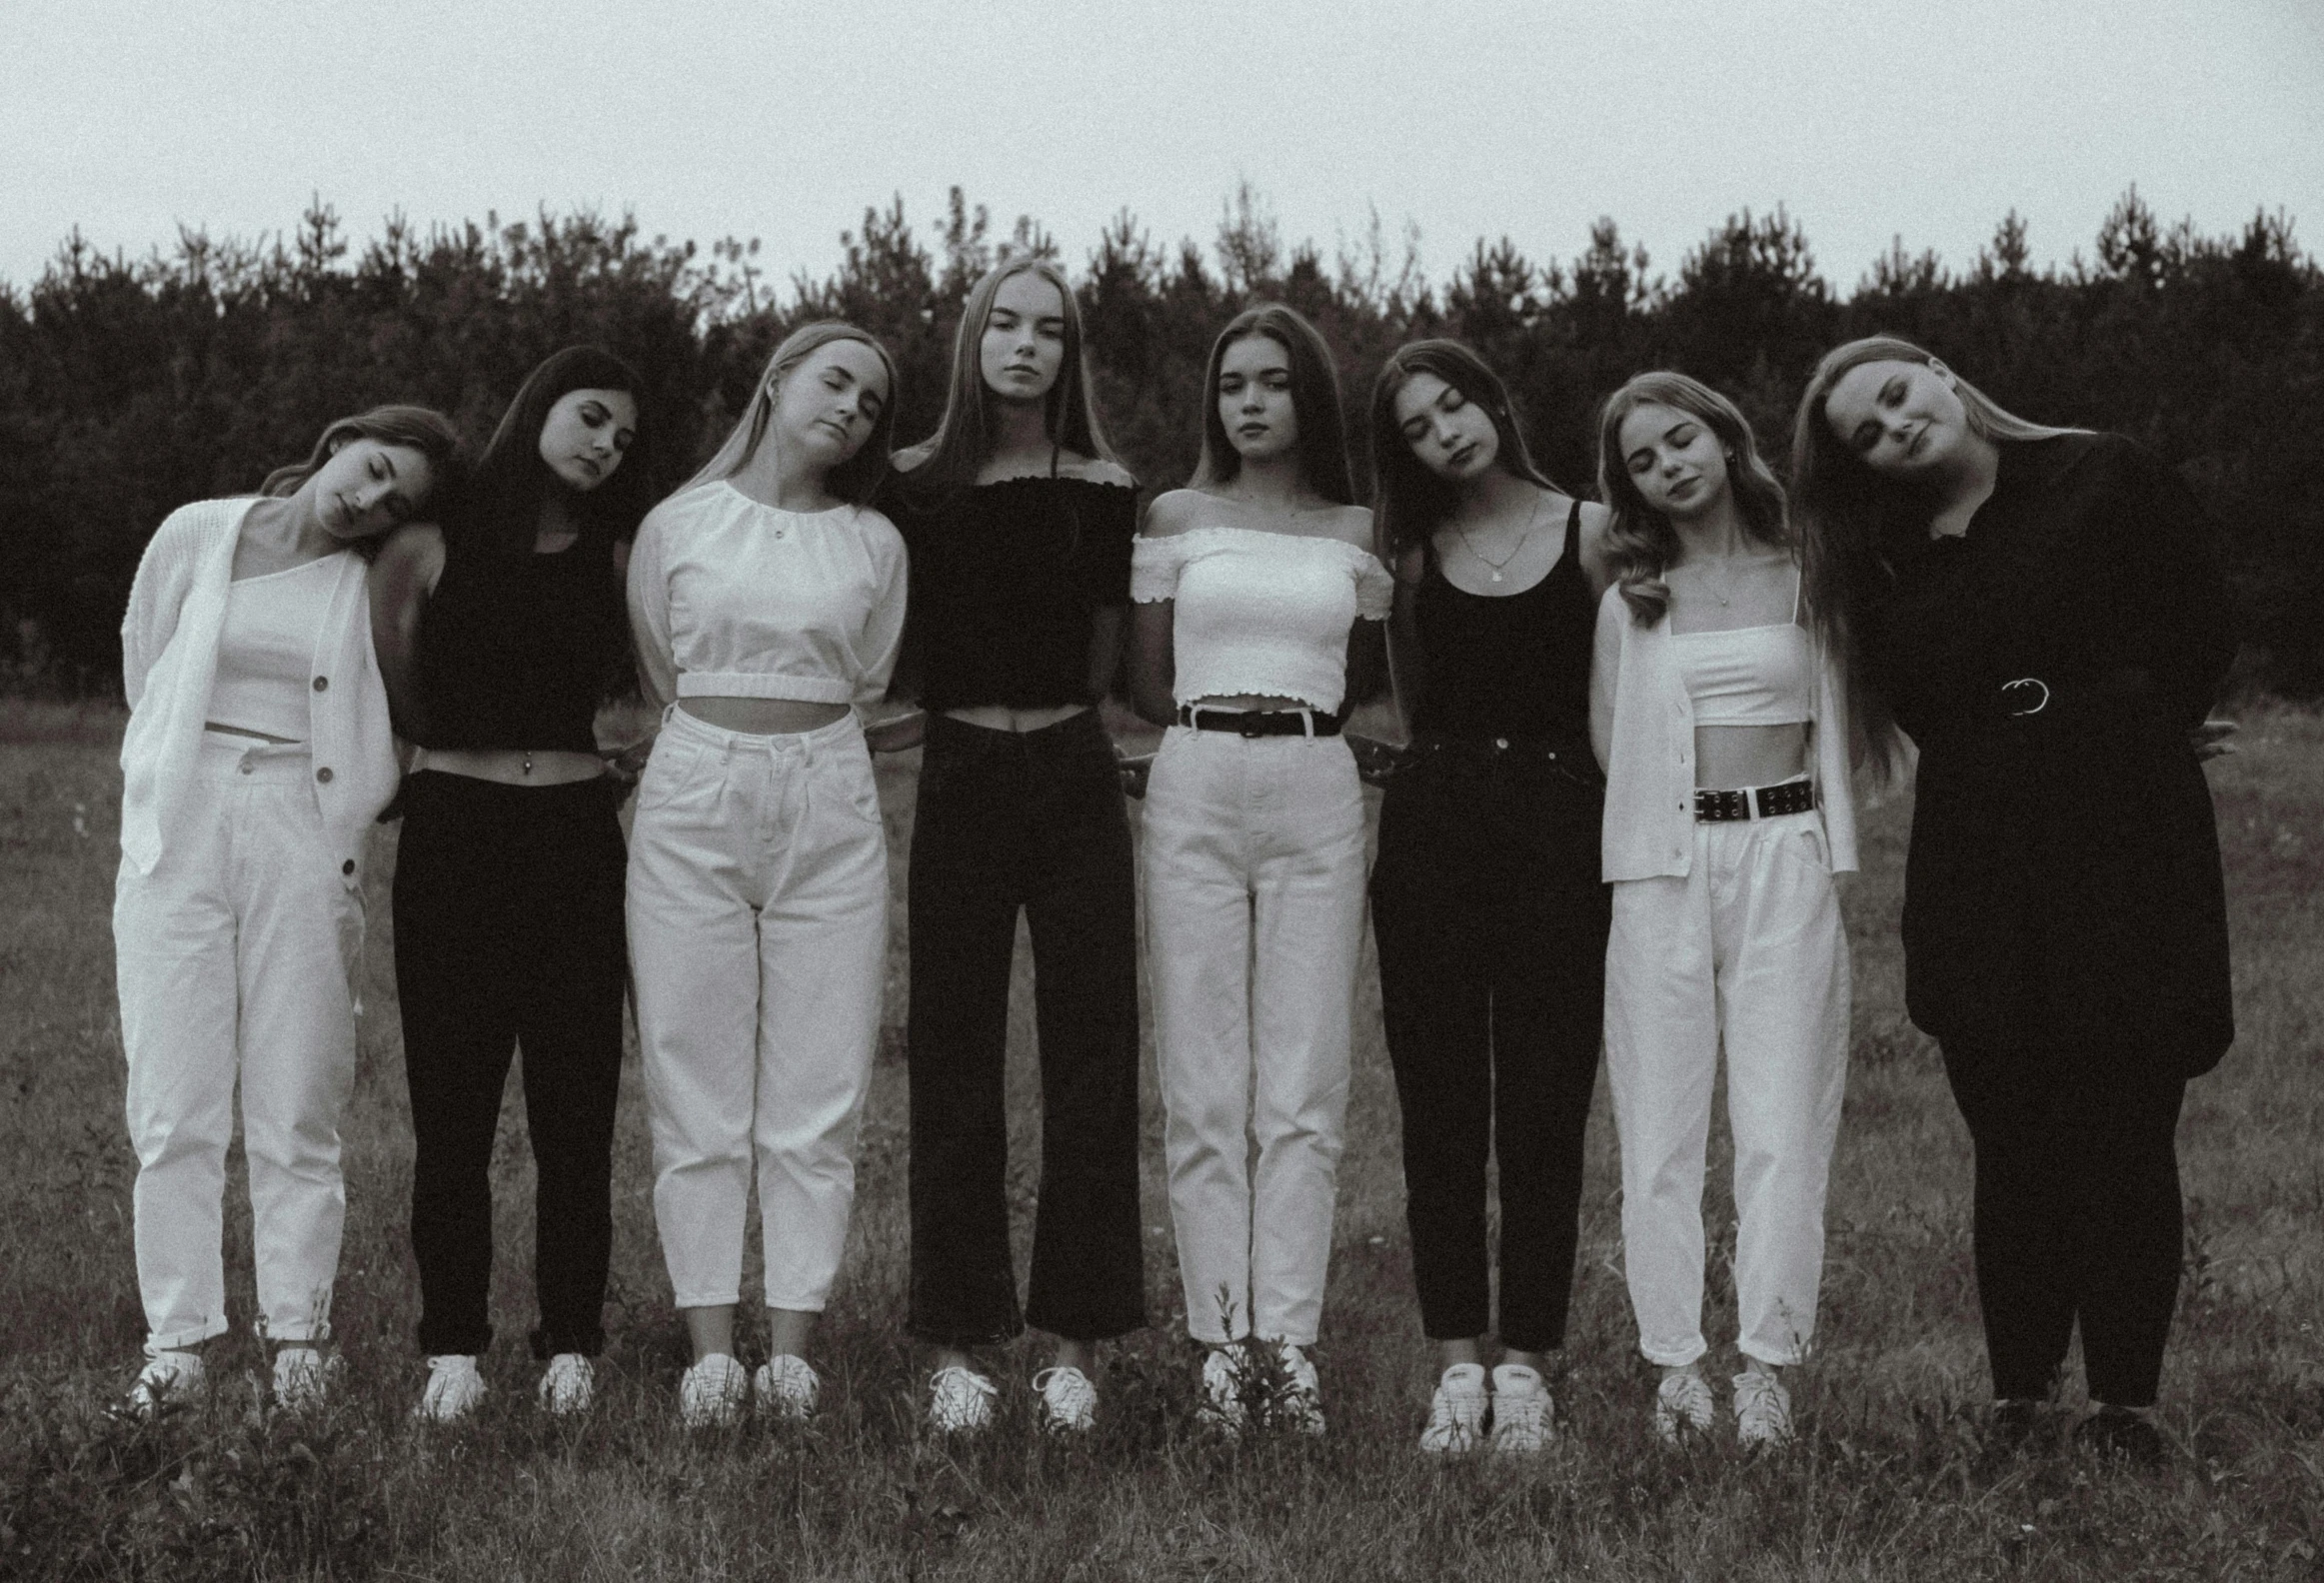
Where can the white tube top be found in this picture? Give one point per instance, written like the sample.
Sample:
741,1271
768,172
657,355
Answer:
266,649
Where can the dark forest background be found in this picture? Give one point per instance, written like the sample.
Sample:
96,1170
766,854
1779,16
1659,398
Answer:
128,387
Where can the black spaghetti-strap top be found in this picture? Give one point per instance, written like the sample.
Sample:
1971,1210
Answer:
1514,666
515,649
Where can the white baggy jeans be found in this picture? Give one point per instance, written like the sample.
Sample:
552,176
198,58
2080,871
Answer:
1254,866
1746,951
236,958
757,919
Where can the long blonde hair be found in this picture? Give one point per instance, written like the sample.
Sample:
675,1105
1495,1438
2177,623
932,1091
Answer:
1854,525
854,480
1641,542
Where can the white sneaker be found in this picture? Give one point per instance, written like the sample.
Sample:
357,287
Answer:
1762,1409
453,1391
302,1378
1069,1402
1682,1402
1300,1404
1221,1405
960,1401
711,1393
568,1384
1456,1411
1524,1417
787,1386
170,1375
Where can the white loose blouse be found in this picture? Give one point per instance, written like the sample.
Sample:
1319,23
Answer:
733,599
1261,613
1641,722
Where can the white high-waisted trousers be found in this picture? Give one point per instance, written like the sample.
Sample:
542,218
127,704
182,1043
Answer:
757,919
235,958
1746,951
1254,864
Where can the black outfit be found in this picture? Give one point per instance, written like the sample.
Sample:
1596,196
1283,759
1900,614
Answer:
1491,925
1006,579
2065,928
508,931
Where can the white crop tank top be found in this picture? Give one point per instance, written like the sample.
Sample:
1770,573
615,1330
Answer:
1749,676
1261,613
266,649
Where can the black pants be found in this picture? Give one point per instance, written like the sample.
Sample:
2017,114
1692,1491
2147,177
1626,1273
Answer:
508,920
1032,819
2078,1216
1492,927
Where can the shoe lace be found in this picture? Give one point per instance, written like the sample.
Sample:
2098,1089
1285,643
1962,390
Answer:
1068,1391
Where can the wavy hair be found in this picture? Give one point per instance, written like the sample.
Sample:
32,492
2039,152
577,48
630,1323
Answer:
854,480
501,506
1641,542
1410,501
1314,403
1856,526
949,460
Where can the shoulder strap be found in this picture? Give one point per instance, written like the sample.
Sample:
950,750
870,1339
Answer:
1572,551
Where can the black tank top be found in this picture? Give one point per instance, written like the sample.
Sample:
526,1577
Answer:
1514,666
514,651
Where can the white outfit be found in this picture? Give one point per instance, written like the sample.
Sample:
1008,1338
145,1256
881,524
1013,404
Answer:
1725,934
238,918
1254,864
757,881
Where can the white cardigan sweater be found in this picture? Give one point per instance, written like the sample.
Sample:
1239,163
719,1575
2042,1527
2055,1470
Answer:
169,656
1641,722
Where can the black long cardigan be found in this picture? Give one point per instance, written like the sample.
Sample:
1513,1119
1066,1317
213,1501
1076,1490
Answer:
2063,887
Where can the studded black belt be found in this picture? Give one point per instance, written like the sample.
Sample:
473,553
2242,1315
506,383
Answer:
1769,801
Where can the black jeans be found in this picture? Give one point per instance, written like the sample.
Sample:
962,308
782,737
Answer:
1492,927
508,921
2078,1214
1033,819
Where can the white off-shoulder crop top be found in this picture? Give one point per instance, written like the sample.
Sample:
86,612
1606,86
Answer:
733,599
1261,613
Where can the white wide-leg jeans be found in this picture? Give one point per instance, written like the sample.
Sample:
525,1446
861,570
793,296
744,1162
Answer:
1253,866
1747,951
758,920
236,958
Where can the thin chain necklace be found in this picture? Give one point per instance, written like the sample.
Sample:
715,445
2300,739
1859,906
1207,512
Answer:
1523,534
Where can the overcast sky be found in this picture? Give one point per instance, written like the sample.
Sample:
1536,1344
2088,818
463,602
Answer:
1468,118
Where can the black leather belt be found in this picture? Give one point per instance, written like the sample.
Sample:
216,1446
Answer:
1769,801
1260,723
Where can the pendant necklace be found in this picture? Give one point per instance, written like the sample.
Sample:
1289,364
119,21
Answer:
1523,534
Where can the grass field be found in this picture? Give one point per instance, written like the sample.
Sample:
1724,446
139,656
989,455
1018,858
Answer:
1883,1483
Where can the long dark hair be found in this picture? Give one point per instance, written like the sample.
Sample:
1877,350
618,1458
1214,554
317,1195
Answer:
1641,542
501,507
855,480
1409,500
1856,526
948,461
1314,403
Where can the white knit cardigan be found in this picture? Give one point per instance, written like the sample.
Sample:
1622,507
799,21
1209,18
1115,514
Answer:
169,656
1642,724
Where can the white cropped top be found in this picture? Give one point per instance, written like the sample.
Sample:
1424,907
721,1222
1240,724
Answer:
266,649
1261,613
732,598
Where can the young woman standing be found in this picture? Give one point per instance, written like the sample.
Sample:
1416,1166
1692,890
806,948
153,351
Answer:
2040,611
1487,904
1717,716
767,600
1019,523
499,634
1256,593
257,756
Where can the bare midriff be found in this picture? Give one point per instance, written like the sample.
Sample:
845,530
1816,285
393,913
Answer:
1000,717
244,730
516,765
764,717
1728,756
